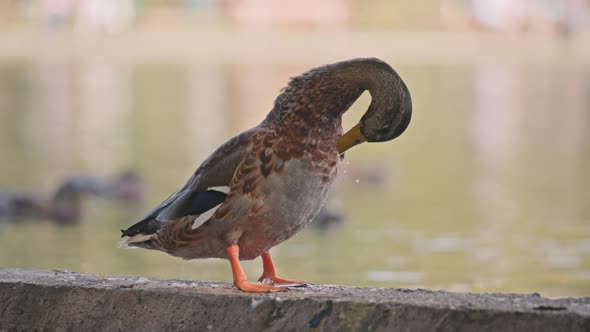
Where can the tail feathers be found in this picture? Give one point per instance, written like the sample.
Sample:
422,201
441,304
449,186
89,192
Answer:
145,227
140,234
137,241
140,238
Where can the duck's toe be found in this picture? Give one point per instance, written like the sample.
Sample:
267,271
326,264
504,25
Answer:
276,281
251,287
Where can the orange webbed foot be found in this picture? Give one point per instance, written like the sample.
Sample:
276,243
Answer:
269,275
240,280
276,281
251,287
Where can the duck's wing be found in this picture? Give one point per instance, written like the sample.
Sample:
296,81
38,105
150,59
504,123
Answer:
201,195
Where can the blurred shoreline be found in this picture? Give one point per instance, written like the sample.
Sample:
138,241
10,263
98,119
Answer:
218,44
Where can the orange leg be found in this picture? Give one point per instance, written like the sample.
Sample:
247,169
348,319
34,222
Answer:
270,276
240,280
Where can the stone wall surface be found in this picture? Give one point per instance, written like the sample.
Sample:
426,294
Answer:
68,301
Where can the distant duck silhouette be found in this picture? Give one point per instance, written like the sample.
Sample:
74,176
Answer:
372,178
330,215
20,205
126,186
65,205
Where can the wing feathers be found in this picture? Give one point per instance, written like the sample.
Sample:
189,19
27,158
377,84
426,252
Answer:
205,216
187,203
203,192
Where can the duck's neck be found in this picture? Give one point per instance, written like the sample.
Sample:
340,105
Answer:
313,103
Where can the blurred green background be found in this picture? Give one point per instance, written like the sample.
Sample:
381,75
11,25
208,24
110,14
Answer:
488,190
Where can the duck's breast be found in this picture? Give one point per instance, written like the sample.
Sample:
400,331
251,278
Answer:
290,199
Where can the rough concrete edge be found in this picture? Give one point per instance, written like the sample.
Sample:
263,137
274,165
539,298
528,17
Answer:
63,296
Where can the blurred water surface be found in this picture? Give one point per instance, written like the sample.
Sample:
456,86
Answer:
488,190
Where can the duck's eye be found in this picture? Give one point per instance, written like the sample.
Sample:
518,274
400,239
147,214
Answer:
385,126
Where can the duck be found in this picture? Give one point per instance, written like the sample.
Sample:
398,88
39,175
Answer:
126,186
64,206
264,185
329,216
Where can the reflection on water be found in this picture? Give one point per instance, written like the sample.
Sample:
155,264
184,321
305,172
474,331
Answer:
487,190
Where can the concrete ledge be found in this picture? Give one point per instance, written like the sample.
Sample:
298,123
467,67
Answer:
59,300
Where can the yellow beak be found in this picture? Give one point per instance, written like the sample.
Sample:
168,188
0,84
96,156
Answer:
350,139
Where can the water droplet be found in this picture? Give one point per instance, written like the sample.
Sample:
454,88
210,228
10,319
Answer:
357,180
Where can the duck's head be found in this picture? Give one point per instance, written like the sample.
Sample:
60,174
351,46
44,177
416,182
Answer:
388,115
